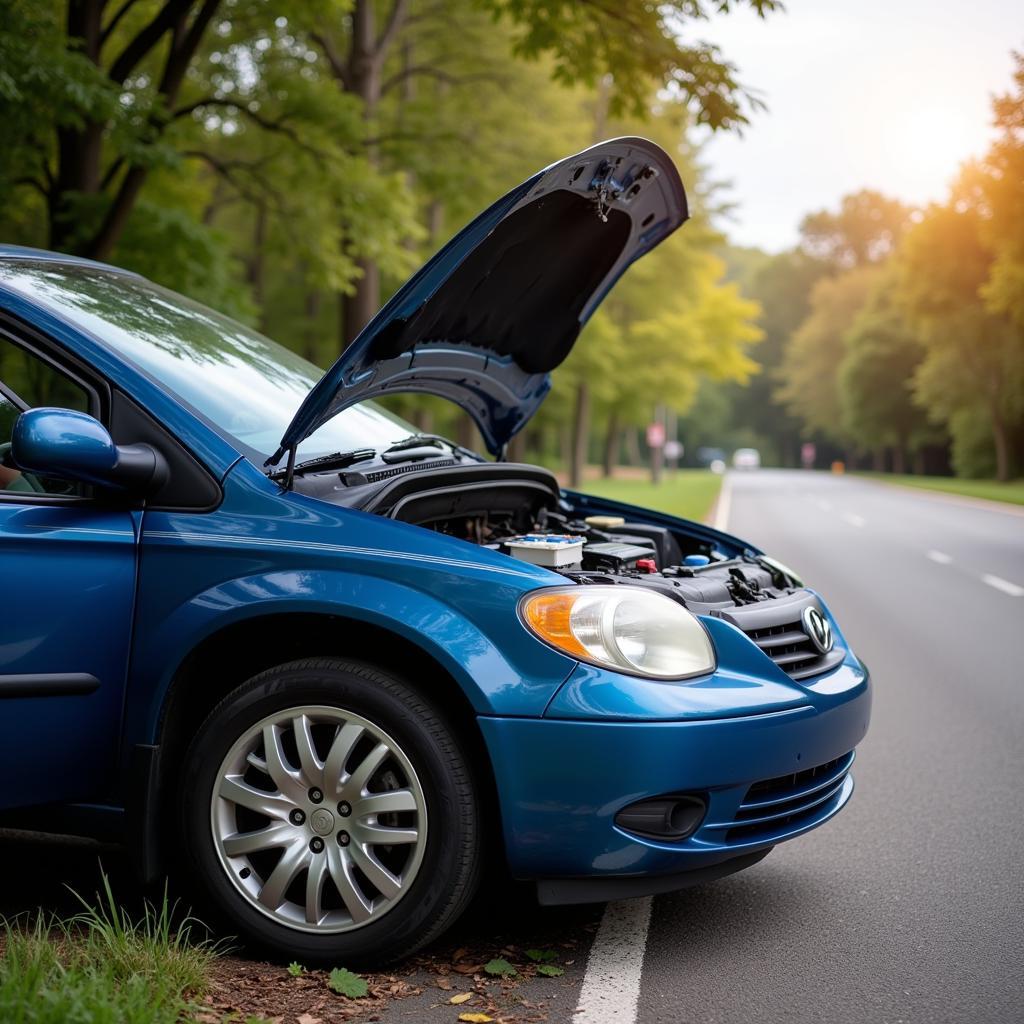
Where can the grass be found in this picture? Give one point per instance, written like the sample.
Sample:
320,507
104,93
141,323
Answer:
991,490
686,492
101,967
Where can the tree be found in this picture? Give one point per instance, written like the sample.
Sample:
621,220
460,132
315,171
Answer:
866,229
876,374
974,358
92,123
809,373
1000,181
782,285
640,44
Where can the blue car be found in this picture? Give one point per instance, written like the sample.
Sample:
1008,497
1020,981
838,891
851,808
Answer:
322,667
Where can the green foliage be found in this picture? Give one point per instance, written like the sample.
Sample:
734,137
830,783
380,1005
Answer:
642,44
809,373
876,374
550,971
866,229
500,968
102,967
541,956
295,969
348,984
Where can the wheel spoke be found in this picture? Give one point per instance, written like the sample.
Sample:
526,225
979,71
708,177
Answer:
386,803
383,836
268,838
312,769
288,781
237,791
340,867
341,747
291,863
315,889
373,760
387,883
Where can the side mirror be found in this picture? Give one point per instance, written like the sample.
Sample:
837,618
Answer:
75,446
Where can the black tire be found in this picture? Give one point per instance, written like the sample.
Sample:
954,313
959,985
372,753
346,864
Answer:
449,867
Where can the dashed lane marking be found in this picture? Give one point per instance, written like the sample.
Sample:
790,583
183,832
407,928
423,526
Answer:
853,519
611,985
1004,585
940,557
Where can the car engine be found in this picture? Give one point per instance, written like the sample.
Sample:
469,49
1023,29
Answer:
519,510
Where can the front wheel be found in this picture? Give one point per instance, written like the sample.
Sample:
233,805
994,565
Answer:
329,814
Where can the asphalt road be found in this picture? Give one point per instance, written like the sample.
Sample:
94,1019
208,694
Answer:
909,906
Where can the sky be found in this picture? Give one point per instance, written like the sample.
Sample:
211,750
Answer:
884,94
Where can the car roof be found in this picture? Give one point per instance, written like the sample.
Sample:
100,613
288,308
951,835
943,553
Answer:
24,252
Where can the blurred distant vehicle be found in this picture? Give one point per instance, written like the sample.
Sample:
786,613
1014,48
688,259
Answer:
706,456
746,458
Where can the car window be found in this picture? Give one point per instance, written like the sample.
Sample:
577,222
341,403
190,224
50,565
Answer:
27,382
244,384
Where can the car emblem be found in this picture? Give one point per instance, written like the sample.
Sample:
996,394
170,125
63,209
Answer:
818,629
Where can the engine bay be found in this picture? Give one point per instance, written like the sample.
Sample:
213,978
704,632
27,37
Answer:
519,511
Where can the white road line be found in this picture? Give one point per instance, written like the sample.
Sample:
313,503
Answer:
1004,585
723,505
611,985
825,506
853,519
940,556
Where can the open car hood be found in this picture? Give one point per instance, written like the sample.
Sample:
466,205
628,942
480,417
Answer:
485,321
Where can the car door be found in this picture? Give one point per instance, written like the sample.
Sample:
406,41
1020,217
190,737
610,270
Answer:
67,583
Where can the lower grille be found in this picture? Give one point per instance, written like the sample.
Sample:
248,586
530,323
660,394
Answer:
777,805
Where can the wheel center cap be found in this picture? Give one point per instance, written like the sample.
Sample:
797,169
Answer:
322,821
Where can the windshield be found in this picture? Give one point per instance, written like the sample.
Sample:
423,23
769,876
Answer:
244,384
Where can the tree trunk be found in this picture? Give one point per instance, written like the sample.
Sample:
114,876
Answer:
633,456
580,434
899,459
612,438
517,447
255,264
465,432
919,462
878,459
312,314
363,78
359,307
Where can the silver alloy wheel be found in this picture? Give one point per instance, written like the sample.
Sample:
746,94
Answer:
322,793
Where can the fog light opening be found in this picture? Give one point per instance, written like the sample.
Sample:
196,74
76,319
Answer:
670,818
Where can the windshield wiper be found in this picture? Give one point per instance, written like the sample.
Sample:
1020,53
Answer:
336,460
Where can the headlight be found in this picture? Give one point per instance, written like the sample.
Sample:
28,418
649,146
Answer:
623,628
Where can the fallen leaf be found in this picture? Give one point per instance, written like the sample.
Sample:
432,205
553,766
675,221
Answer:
500,968
347,984
461,953
550,971
308,1018
475,1018
542,956
468,968
461,997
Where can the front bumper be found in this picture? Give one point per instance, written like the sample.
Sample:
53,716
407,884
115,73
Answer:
561,783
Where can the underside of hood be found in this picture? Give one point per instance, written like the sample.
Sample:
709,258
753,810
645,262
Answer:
486,320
